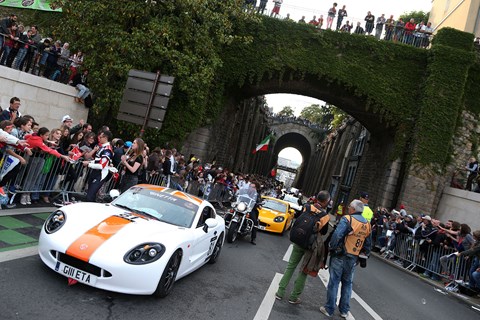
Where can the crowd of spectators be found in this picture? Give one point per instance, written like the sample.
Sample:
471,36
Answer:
438,244
416,33
50,159
23,48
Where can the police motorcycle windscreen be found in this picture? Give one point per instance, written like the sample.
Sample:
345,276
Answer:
238,224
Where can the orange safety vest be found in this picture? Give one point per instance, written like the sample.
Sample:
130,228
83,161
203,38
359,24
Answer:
323,220
355,239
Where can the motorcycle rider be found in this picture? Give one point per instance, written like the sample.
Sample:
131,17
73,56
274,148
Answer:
254,212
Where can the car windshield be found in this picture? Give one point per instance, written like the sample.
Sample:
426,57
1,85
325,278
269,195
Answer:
159,205
290,198
274,205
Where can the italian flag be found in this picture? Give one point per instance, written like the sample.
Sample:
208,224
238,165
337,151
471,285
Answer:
263,146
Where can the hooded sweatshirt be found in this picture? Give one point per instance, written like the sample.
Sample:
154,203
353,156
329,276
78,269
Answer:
37,142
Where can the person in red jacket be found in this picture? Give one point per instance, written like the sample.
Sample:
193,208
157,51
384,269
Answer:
408,31
36,142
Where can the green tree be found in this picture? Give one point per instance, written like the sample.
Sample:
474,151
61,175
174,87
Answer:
339,116
287,111
180,38
417,15
318,114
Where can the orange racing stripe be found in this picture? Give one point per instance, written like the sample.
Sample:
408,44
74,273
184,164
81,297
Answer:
88,243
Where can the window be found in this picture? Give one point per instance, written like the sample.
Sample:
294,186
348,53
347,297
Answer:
350,175
207,212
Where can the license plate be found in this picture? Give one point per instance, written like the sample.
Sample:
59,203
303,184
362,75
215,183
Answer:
74,273
261,227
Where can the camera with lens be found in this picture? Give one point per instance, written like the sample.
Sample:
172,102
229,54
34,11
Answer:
362,259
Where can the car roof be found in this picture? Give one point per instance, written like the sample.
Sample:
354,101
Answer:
172,192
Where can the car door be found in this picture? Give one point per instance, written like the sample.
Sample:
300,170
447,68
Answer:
204,241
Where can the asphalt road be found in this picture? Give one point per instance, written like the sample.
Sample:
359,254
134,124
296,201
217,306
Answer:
234,288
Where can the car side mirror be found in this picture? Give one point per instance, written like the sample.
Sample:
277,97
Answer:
291,211
210,223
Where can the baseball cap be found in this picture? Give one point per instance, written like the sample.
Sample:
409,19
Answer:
66,118
409,216
427,218
364,195
127,144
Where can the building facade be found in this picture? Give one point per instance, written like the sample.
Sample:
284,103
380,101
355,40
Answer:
463,15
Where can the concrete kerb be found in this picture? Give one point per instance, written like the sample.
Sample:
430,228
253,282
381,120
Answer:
26,210
473,301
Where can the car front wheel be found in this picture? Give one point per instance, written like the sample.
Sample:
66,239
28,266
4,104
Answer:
167,280
216,250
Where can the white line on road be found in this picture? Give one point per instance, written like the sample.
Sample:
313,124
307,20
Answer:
324,275
267,304
287,255
17,254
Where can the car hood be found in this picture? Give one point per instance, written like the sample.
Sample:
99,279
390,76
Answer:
268,213
103,226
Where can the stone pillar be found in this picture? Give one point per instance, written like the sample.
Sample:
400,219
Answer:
450,59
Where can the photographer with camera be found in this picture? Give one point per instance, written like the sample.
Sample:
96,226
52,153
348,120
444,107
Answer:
351,242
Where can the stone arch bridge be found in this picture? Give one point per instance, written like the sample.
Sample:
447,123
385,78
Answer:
298,134
409,99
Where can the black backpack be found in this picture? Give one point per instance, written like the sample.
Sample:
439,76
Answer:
303,230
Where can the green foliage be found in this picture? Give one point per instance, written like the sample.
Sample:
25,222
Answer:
417,15
216,51
287,111
180,38
472,102
408,88
322,115
442,103
339,116
453,38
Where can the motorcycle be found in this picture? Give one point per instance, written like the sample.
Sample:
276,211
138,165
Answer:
238,220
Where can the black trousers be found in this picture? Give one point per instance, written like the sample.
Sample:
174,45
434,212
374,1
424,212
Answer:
470,179
254,217
95,182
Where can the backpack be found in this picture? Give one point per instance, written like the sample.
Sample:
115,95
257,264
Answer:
303,230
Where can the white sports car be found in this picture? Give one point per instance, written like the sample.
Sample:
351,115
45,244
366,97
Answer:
140,243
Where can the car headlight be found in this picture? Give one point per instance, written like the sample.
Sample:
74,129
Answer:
55,221
241,207
144,253
279,219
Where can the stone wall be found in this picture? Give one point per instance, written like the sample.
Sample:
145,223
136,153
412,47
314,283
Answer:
46,100
233,136
423,190
461,206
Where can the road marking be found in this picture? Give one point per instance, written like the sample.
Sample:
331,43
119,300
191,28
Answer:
287,255
324,275
17,254
267,304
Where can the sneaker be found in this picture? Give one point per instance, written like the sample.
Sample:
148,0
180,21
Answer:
346,315
23,199
278,297
29,200
296,301
324,311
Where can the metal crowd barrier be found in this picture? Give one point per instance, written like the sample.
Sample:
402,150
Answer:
435,260
44,174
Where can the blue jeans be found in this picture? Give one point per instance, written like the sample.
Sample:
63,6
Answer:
83,91
474,282
433,266
22,52
341,270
